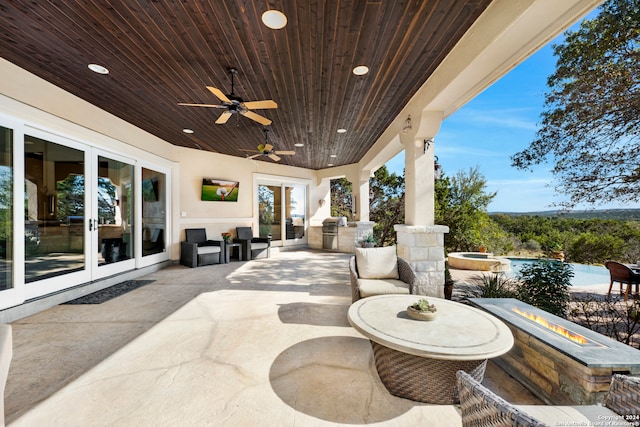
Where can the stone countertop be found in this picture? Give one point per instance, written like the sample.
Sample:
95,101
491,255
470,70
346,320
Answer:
459,332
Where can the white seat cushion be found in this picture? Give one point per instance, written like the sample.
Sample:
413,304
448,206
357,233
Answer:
371,287
203,250
377,263
573,415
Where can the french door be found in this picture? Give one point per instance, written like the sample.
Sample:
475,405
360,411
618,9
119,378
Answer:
282,211
111,224
71,213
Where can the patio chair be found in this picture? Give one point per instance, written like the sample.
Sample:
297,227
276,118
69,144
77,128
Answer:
252,247
379,271
624,275
197,250
481,407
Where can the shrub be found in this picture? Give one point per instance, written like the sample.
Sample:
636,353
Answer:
495,285
545,284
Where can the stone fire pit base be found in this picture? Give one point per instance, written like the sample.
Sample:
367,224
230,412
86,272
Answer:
554,369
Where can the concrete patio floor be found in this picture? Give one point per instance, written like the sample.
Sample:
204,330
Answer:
260,343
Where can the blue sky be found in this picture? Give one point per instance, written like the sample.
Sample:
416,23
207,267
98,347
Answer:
498,123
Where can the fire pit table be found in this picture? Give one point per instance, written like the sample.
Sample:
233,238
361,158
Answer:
418,360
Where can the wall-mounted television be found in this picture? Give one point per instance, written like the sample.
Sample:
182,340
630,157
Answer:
217,190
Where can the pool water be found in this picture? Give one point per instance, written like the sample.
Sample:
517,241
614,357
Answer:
583,274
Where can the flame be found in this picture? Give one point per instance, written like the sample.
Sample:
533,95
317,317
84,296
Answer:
551,326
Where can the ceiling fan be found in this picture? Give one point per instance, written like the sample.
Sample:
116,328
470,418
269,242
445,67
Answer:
266,149
234,104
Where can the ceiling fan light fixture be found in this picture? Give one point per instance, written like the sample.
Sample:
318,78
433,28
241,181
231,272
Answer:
96,68
274,19
360,70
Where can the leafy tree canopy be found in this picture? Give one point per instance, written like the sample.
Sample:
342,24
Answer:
386,204
590,126
461,203
341,198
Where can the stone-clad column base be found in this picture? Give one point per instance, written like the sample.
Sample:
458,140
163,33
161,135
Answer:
423,247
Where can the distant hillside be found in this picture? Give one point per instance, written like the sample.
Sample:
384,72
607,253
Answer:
620,214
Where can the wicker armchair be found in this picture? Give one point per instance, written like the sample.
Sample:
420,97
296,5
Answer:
252,247
404,284
197,250
482,408
624,396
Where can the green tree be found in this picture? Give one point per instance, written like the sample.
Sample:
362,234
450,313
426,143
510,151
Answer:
590,126
461,204
342,198
386,204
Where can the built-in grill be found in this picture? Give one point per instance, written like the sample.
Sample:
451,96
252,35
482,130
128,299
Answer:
330,233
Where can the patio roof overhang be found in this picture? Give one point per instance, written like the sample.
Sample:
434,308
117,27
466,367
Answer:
427,59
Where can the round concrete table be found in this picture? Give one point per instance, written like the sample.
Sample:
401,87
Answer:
418,360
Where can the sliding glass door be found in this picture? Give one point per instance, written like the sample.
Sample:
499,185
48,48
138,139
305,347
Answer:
6,209
71,213
282,211
55,235
113,227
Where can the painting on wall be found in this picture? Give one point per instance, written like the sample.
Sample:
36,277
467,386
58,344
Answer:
217,190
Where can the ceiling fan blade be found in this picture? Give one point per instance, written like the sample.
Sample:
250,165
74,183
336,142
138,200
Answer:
254,156
268,147
285,153
201,105
244,149
224,117
256,117
260,105
217,92
274,157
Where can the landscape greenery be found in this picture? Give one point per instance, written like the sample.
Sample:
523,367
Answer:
461,204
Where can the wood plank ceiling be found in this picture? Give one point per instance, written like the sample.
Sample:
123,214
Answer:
160,53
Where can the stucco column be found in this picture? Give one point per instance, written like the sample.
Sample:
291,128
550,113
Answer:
418,176
360,189
420,241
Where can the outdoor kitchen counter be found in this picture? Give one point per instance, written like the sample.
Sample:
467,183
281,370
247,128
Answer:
417,359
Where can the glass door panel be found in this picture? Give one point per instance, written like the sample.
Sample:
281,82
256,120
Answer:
115,205
54,209
154,210
295,207
269,211
6,208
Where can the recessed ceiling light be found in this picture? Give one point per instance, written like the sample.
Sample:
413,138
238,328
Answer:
274,19
333,155
187,130
361,70
299,144
98,69
330,164
341,130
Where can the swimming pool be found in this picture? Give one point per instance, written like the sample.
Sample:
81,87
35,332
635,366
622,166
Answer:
583,274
